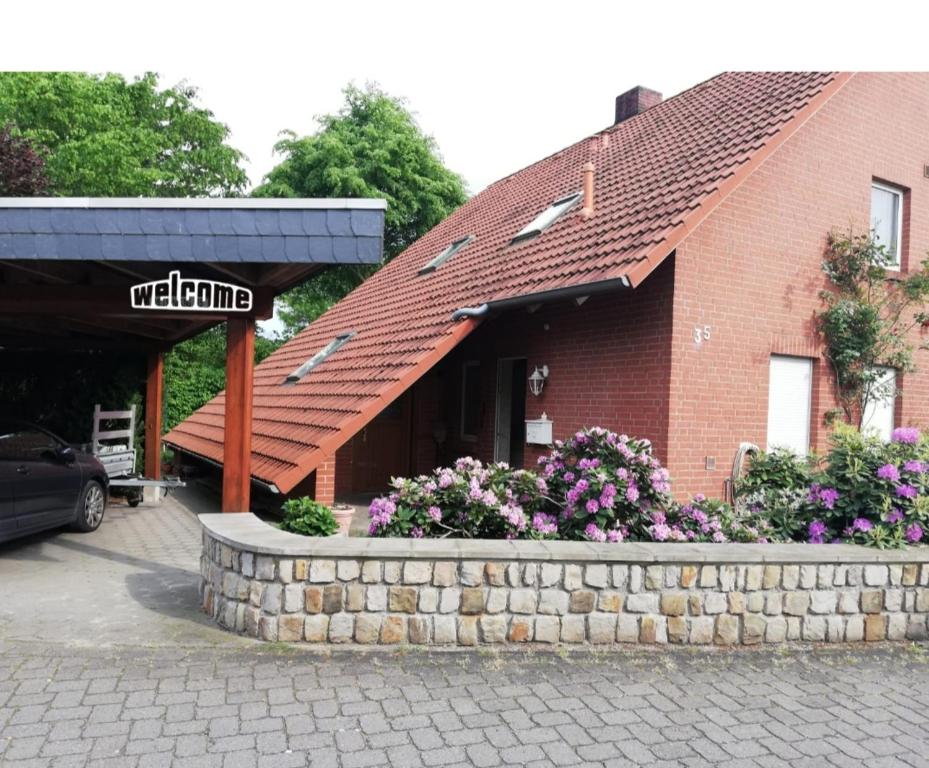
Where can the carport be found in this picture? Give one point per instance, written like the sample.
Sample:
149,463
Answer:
140,275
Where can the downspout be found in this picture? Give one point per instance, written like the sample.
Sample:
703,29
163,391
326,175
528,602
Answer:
461,314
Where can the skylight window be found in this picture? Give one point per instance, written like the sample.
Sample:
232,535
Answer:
548,217
334,345
446,255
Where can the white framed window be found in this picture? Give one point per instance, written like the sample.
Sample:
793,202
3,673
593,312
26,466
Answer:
887,220
790,389
879,406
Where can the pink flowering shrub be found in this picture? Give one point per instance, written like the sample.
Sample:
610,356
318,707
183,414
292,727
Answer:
707,520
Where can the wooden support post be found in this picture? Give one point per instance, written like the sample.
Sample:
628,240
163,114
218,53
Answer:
154,397
237,449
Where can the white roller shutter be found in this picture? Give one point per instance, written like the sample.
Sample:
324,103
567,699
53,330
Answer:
789,393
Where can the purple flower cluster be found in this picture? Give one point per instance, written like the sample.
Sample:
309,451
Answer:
825,496
905,435
816,532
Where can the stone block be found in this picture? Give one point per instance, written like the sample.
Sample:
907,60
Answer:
332,598
642,602
264,568
715,602
672,576
449,599
754,578
322,571
872,600
736,602
727,630
822,601
530,574
247,564
688,576
627,628
677,630
774,603
753,629
371,571
520,630
793,627
601,627
893,600
728,578
620,574
496,599
472,573
290,628
267,628
708,577
701,630
875,575
574,629
596,576
547,629
635,578
824,576
428,600
553,601
814,629
896,626
853,575
496,574
610,602
674,603
252,615
445,573
875,627
916,628
391,572
341,627
354,597
367,628
523,601
648,630
835,629
293,598
513,576
654,577
348,570
301,570
285,571
573,577
402,599
840,574
271,599
854,629
255,593
376,597
807,576
790,576
924,575
393,630
772,577
417,572
493,629
796,603
695,603
420,629
467,630
848,601
922,600
909,576
444,631
549,575
775,629
472,600
582,601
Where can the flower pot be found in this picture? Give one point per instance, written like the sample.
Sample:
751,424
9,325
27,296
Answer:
343,514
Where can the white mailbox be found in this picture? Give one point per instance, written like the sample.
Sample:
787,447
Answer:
539,431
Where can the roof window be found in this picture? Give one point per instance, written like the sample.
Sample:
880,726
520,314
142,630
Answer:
548,217
337,343
439,260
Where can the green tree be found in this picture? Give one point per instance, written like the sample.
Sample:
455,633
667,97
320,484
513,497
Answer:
372,147
868,319
105,136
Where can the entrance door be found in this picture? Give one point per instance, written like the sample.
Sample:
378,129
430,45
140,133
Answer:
382,449
510,422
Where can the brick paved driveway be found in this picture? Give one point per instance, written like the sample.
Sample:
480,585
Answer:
105,661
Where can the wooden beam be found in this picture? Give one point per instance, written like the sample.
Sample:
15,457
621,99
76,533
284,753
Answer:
154,397
237,445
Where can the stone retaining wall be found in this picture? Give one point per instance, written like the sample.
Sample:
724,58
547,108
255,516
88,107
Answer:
264,583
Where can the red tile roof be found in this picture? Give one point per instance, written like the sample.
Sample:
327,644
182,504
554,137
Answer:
657,176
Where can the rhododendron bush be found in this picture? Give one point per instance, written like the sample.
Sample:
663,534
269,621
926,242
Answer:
597,486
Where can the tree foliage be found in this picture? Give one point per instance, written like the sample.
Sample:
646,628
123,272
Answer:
105,136
372,147
22,168
868,319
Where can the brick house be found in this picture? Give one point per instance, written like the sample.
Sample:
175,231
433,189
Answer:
664,272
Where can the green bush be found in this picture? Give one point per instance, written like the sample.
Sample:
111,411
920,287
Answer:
308,518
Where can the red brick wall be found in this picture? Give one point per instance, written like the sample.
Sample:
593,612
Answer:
752,272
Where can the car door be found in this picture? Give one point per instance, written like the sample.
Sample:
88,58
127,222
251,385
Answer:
7,481
46,487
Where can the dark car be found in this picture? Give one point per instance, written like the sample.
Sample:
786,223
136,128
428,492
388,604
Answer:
44,483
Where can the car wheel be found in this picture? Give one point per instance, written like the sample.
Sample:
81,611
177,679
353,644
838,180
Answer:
90,507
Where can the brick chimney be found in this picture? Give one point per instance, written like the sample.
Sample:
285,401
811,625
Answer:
634,102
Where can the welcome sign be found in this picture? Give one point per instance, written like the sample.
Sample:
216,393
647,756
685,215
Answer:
179,294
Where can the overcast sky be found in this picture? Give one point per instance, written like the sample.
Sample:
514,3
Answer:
497,84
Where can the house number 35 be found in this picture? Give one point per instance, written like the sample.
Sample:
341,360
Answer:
701,334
